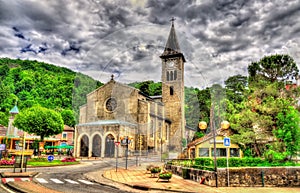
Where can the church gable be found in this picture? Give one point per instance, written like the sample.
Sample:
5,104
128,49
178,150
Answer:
114,101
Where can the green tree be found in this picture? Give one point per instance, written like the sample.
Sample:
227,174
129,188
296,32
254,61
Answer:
68,117
288,131
254,119
274,68
40,121
148,87
236,87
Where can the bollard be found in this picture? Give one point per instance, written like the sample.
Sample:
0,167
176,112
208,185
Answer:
262,178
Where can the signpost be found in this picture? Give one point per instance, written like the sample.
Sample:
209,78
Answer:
227,145
50,158
117,143
2,149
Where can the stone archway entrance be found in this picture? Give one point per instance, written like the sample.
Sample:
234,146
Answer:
84,146
96,147
109,146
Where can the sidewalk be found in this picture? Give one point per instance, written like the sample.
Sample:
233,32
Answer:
139,180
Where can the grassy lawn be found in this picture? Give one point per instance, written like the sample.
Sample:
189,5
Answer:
52,163
43,162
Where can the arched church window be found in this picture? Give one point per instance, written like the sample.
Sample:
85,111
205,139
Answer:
171,76
171,90
168,75
175,74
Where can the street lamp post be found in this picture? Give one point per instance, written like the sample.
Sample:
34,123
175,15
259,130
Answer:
203,125
225,125
126,141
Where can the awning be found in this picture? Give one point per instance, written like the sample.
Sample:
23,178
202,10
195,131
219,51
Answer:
59,147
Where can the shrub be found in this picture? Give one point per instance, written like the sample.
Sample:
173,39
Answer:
7,162
155,169
222,162
204,161
165,175
68,159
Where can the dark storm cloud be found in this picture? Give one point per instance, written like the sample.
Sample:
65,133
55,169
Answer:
28,49
18,33
73,47
126,38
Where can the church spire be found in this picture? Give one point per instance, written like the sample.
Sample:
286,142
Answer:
172,45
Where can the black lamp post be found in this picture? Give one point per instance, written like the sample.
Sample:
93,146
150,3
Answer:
215,153
126,141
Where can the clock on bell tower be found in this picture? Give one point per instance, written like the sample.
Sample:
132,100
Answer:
173,89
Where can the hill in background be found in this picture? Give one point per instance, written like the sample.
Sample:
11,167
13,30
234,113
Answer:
30,83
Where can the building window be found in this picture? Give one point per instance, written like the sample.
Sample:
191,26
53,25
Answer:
171,90
171,74
221,152
168,76
175,74
152,129
64,136
203,152
234,152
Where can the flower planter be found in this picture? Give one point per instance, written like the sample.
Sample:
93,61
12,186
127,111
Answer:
165,176
155,170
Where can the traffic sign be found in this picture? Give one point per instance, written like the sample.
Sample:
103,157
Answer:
117,143
227,141
50,158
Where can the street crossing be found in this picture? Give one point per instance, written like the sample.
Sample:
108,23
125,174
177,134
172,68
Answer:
63,181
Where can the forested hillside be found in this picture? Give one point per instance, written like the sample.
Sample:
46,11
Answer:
30,83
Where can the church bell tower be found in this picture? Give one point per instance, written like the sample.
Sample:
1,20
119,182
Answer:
173,89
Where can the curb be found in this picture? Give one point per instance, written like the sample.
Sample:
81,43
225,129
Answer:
7,180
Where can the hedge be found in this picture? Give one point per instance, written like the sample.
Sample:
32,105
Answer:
236,162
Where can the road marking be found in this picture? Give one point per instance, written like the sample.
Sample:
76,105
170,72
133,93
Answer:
86,182
41,180
25,179
71,181
56,181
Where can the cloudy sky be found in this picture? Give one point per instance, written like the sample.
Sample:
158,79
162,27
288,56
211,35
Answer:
219,38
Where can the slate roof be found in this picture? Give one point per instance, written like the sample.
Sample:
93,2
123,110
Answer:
172,46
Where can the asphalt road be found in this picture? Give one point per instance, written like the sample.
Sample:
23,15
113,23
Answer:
70,179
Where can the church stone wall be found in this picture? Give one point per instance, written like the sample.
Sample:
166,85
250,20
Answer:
82,114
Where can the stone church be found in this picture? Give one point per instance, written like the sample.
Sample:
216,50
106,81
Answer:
119,116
